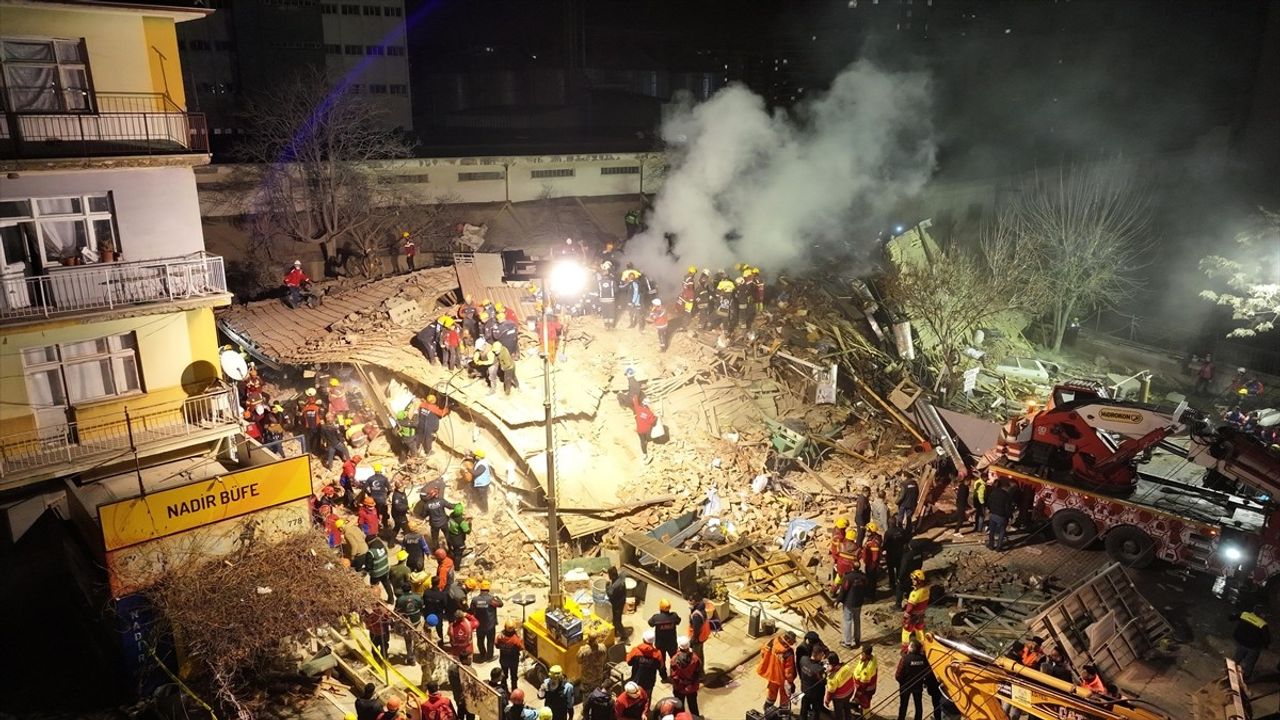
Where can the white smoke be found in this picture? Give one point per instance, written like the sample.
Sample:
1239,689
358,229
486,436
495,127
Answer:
794,189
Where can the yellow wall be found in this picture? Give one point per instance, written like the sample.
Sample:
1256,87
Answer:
119,43
173,349
162,35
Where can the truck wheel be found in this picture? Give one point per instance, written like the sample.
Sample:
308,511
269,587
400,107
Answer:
1131,547
1074,529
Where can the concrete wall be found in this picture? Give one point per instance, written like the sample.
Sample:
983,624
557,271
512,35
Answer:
226,190
177,356
156,209
119,43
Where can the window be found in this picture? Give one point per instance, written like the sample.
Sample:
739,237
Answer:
355,88
395,50
333,49
392,11
372,11
558,173
354,49
350,9
623,170
45,75
414,179
328,8
82,371
474,176
399,89
374,50
377,89
60,227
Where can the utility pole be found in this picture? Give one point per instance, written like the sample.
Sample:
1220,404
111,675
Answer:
555,599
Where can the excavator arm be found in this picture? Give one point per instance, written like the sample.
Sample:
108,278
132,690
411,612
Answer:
985,688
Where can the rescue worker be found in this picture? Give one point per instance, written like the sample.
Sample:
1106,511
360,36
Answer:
632,222
689,296
870,558
379,488
462,636
294,281
632,703
686,674
484,606
646,420
332,528
700,622
724,305
516,709
410,250
1031,654
1251,635
399,505
838,532
469,315
549,331
664,624
1090,678
379,567
486,327
510,646
507,334
424,433
862,512
456,533
312,416
913,611
659,319
607,288
406,429
777,666
436,510
742,296
840,686
506,364
646,663
978,496
598,704
633,288
477,471
355,548
367,516
865,672
444,569
848,557
591,661
334,446
757,287
912,673
617,593
429,342
702,300
377,620
337,398
486,363
558,693
450,344
908,498
416,545
812,675
409,606
1055,665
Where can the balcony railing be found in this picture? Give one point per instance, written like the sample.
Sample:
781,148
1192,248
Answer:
109,285
70,445
43,123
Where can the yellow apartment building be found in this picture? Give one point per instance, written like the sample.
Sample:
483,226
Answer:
108,350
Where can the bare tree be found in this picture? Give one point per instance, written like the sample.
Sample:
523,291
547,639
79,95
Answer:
1252,281
319,151
1080,235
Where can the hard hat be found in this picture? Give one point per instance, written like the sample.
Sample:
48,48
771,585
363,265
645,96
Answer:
516,696
631,688
664,604
693,269
458,509
1241,371
404,234
850,534
440,554
297,263
484,315
469,583
377,467
568,241
394,702
873,527
350,716
629,372
842,523
706,271
431,398
545,713
311,392
433,620
738,280
498,307
648,635
917,574
683,642
485,585
402,555
606,265
556,670
339,523
368,500
334,382
510,625
478,453
657,301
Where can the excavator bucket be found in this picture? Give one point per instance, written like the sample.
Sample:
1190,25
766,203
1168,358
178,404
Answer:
1226,698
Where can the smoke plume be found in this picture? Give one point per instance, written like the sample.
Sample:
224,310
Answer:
788,190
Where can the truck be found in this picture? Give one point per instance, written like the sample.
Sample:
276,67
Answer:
1081,463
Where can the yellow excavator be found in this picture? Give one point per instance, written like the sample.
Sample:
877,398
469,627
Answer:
987,688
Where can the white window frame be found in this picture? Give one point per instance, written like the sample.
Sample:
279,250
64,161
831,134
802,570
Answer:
86,216
69,99
120,355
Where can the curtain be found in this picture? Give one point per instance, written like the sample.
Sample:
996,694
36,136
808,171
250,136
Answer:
32,87
44,389
89,380
63,238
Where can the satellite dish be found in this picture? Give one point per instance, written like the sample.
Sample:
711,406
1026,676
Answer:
233,365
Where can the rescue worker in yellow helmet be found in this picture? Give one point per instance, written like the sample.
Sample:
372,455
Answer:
557,692
913,611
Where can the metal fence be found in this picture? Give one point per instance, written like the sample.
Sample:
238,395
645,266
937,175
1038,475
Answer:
73,442
108,285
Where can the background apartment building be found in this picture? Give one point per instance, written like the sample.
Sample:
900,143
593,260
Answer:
243,48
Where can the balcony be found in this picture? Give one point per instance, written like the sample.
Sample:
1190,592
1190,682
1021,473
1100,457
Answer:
71,448
96,125
108,286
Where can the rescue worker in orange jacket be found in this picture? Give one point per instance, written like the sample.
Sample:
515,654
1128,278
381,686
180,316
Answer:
778,668
870,556
847,558
646,663
838,531
913,611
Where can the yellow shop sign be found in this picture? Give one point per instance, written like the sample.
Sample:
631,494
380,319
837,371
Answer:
167,512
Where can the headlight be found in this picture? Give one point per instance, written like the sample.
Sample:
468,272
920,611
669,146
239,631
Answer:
1232,553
